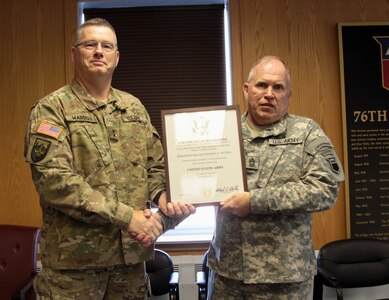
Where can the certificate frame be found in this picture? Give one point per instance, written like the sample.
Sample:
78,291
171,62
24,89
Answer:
203,153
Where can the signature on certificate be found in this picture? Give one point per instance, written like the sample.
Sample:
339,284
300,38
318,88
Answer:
227,189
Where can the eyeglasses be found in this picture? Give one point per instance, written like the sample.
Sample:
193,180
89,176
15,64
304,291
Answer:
92,45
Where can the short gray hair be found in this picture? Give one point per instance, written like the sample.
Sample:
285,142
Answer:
265,59
94,22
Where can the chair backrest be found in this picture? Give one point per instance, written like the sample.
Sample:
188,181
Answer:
159,271
356,262
202,278
18,253
204,266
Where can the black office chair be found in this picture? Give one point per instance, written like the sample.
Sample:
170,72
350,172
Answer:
202,278
18,254
351,263
163,278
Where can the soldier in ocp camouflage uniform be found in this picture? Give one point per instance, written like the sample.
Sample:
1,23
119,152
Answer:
96,159
262,247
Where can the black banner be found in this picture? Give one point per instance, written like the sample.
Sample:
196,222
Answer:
364,64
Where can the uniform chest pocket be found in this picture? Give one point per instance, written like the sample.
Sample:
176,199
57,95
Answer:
90,150
283,164
101,146
136,133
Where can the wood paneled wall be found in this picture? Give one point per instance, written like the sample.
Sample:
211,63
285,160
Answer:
36,36
35,60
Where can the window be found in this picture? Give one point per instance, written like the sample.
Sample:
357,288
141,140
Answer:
197,228
172,56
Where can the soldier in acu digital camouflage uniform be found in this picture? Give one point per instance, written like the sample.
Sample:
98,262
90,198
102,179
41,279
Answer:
262,247
95,160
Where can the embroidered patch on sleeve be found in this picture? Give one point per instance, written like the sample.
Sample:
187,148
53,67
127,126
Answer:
39,150
49,129
328,153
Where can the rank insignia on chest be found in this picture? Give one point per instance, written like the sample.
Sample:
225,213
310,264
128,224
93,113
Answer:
252,163
39,150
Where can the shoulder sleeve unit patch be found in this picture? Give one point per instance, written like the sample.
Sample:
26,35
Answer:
324,147
39,150
46,128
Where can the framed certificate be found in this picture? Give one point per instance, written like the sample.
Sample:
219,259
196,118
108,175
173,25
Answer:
204,161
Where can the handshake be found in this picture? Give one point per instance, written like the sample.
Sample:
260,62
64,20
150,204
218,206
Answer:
146,226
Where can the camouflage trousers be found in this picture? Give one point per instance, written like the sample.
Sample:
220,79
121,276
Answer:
222,288
124,282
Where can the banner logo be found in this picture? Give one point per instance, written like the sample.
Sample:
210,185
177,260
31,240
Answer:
384,43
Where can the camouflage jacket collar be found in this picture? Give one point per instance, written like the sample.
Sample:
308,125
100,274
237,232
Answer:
275,129
91,103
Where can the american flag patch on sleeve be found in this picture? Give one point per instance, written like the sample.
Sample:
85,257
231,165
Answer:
49,129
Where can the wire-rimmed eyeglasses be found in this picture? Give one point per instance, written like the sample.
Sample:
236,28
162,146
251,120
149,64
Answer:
93,45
